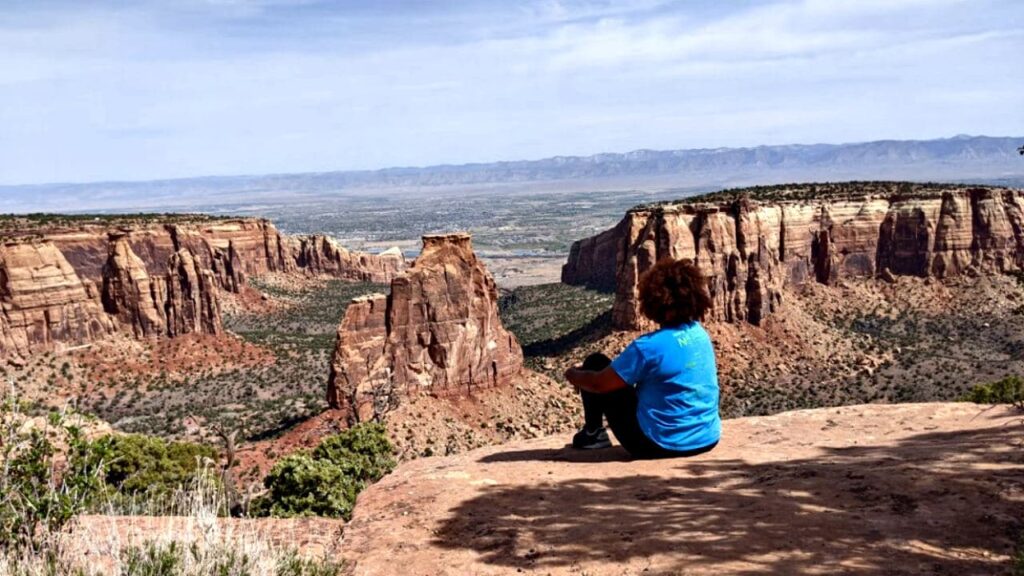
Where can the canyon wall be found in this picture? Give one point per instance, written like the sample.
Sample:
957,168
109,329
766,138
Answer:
43,301
437,331
592,261
64,285
322,255
751,244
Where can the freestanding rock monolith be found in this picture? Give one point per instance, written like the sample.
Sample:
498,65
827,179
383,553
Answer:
437,331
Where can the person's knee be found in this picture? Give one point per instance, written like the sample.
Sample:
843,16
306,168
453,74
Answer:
596,362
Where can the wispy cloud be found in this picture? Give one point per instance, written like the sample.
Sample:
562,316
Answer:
150,89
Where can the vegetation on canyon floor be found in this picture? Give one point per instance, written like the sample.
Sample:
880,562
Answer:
547,319
259,384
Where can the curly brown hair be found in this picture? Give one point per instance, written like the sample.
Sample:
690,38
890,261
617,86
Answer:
673,292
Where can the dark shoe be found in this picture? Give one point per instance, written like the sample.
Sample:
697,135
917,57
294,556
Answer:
586,440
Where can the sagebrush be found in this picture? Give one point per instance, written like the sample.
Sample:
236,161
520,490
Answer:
326,481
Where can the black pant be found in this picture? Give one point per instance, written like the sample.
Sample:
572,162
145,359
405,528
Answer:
619,407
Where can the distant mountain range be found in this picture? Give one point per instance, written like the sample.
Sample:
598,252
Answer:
960,158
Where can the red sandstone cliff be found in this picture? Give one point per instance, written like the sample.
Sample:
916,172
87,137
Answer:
43,300
437,330
182,300
71,284
753,243
322,255
592,261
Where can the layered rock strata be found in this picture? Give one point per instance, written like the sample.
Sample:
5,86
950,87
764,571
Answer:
437,331
43,301
182,301
67,285
322,255
752,245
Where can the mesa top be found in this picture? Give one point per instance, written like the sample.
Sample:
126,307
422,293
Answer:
676,381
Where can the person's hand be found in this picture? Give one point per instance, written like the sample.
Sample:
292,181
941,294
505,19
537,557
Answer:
570,376
606,380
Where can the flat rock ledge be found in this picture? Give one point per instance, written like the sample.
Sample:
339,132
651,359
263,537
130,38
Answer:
871,489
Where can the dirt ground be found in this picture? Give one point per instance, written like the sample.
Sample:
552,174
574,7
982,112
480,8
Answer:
869,489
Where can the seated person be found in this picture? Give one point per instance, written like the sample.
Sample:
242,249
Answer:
660,395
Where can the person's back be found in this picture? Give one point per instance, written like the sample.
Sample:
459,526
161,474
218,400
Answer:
660,395
676,381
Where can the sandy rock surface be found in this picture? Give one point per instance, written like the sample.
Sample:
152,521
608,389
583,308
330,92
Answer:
875,489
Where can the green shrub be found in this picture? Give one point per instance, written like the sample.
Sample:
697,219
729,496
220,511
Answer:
151,467
327,481
362,452
39,491
300,485
1009,390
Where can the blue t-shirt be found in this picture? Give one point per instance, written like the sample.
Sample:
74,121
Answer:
676,381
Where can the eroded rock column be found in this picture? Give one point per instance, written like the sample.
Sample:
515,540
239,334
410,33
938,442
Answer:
438,330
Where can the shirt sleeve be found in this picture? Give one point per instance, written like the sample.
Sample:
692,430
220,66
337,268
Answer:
630,365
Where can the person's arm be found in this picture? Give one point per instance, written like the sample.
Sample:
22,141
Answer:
601,382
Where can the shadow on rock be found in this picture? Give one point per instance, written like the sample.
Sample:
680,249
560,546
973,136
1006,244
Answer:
566,454
939,503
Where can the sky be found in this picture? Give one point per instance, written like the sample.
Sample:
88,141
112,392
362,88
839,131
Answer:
135,90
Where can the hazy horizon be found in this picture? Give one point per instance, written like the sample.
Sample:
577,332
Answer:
495,162
103,91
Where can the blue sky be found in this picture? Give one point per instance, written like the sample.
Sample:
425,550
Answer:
104,90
